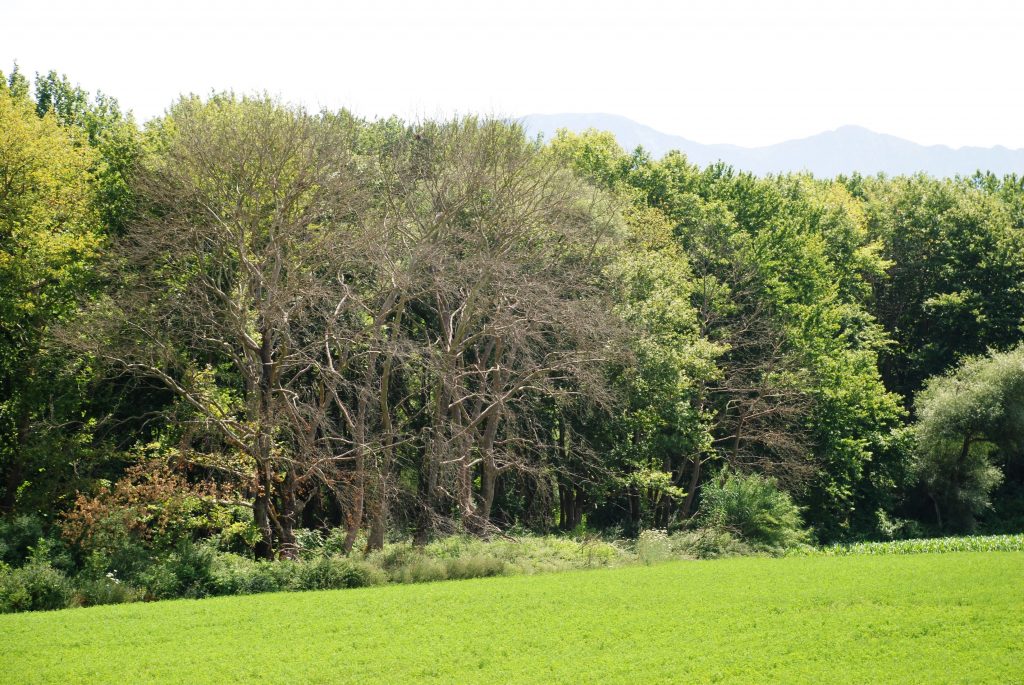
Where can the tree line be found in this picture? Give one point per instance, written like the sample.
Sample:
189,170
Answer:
246,318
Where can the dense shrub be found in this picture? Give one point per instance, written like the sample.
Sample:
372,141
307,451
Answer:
310,543
656,546
35,586
237,575
18,534
327,573
186,572
393,557
477,566
424,568
106,590
154,508
334,542
468,557
200,570
27,537
528,554
752,507
707,543
419,568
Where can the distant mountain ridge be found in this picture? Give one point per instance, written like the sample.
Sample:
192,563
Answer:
842,151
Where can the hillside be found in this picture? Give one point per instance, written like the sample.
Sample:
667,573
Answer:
842,151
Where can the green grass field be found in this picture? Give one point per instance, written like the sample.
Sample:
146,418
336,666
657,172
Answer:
924,618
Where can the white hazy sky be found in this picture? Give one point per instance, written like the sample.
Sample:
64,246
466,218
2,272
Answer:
739,71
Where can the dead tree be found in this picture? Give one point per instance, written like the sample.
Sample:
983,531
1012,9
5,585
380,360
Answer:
231,282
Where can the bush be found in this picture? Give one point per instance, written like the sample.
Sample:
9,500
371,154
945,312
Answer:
26,537
653,547
233,574
106,590
334,543
453,557
239,537
477,566
552,553
707,543
155,509
236,575
310,543
753,508
329,573
33,587
393,557
419,568
130,560
186,572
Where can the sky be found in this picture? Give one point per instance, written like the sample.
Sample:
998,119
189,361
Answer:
748,72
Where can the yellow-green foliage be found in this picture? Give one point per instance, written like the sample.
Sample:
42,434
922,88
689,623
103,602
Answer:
48,220
944,618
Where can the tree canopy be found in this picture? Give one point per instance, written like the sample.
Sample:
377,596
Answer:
260,321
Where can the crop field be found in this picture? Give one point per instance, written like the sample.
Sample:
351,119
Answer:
976,543
935,618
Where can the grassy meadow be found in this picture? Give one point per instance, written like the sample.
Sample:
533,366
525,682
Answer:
935,618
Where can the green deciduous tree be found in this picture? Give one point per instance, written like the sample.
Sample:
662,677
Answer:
954,285
969,421
49,234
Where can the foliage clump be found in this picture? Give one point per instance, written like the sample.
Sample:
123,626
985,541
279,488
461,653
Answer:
969,421
753,508
250,347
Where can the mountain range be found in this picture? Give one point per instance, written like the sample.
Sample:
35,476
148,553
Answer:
842,151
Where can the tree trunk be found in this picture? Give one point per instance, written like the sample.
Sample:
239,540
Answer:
426,488
500,516
261,516
289,548
354,520
378,522
488,480
467,512
635,510
569,501
579,505
664,510
488,471
691,490
938,514
379,501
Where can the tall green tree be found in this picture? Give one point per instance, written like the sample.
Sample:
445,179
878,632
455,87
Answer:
970,422
778,275
954,285
110,131
50,232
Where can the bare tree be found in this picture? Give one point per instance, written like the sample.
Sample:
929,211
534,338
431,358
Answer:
506,254
339,315
231,288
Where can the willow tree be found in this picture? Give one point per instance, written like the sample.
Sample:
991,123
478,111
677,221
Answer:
969,420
